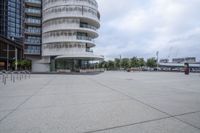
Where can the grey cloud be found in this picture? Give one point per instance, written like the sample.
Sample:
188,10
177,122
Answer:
141,27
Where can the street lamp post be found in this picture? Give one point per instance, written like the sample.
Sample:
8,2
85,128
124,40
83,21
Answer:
16,59
7,57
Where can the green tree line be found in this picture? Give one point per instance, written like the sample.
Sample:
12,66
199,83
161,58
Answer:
126,63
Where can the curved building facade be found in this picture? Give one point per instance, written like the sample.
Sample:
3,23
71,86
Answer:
69,29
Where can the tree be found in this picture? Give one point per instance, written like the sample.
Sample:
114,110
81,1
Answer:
117,63
100,65
151,62
27,64
141,62
22,64
111,65
125,63
134,62
104,64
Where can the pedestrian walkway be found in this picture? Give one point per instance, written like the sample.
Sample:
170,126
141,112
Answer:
110,102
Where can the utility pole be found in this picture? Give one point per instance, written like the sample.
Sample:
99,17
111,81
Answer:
157,54
120,58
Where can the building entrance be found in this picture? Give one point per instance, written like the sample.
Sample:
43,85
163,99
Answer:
71,65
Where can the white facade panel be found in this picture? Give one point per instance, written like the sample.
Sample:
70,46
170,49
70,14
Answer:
69,27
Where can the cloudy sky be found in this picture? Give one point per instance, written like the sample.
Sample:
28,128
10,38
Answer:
142,27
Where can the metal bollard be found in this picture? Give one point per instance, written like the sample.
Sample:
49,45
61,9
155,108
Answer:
11,76
14,78
17,76
25,74
20,75
1,75
29,74
4,79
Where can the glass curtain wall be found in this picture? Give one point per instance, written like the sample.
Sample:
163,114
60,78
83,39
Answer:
33,26
73,65
11,22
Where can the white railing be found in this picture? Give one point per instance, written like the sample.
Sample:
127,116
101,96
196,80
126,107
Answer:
68,39
48,4
85,38
88,26
59,13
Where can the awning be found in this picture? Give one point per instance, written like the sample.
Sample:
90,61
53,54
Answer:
79,56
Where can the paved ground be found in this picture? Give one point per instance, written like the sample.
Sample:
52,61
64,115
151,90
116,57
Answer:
112,102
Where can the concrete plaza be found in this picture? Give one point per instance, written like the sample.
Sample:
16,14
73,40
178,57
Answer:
111,102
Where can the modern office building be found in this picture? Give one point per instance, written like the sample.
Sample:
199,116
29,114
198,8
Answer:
10,51
68,33
55,34
33,28
178,64
164,60
184,60
11,19
11,32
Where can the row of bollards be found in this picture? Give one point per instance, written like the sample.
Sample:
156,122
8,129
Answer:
13,76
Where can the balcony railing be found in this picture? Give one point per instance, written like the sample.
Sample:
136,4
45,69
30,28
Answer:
70,10
33,31
34,1
32,41
32,21
85,38
46,3
88,50
33,11
29,51
88,26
